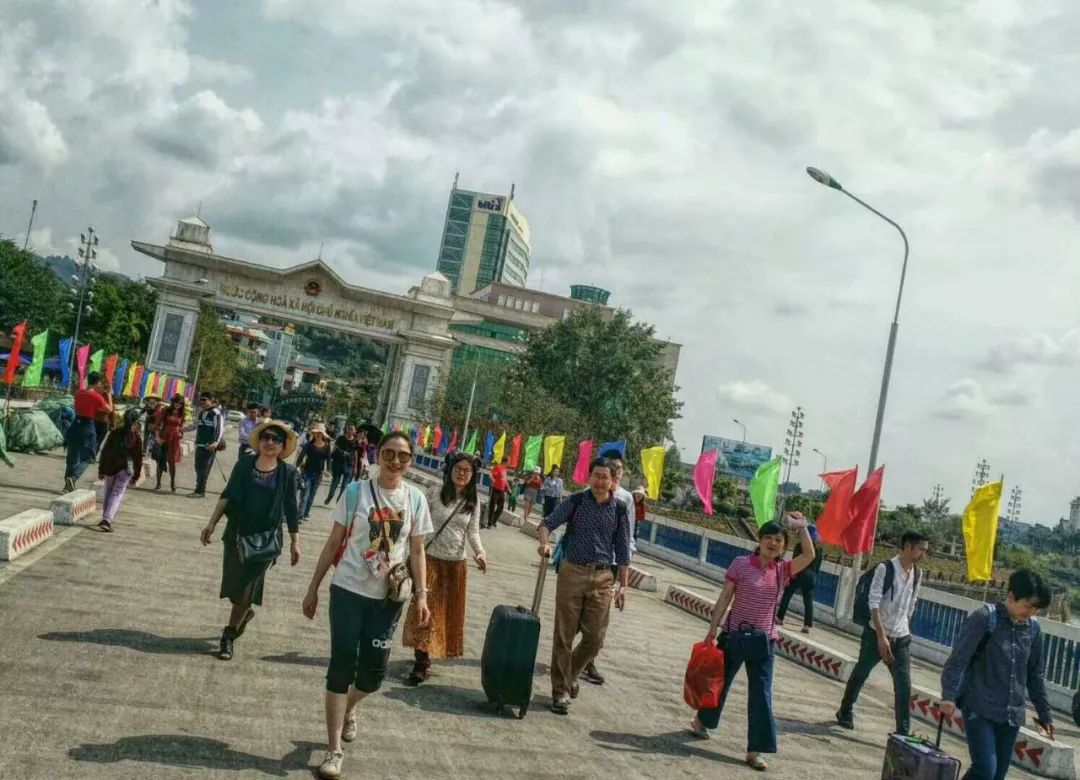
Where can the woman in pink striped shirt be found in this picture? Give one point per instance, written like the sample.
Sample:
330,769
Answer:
752,587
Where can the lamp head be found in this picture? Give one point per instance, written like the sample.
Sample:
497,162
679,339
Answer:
821,177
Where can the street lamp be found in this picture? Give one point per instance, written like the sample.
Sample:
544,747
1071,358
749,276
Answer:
824,466
821,177
88,243
743,430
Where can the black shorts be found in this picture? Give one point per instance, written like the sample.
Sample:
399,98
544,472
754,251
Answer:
361,631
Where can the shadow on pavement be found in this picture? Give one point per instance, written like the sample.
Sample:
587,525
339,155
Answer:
193,752
447,699
672,743
143,641
826,730
296,659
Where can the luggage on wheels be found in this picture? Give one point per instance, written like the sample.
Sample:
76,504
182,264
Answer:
912,758
509,658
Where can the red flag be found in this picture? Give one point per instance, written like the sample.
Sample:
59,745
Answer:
836,516
515,451
110,368
82,355
136,380
16,346
436,438
859,535
453,441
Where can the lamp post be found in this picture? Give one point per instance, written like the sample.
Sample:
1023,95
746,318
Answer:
88,243
743,430
792,449
824,466
472,395
821,177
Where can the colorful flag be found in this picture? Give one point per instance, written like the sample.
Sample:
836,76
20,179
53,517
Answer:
110,368
704,473
189,394
980,525
763,488
532,452
471,446
95,361
489,446
16,347
453,441
119,374
414,434
515,451
65,362
181,387
32,377
385,427
131,381
553,452
82,357
499,450
584,456
652,469
444,446
137,385
148,383
836,516
395,427
859,535
436,438
613,446
170,386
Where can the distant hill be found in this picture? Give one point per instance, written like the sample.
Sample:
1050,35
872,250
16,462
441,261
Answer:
64,267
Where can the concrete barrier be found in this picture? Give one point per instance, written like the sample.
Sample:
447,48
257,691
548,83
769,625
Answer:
530,528
792,645
641,579
1032,751
24,531
74,506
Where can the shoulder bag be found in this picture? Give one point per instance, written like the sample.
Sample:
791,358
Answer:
751,643
446,522
265,546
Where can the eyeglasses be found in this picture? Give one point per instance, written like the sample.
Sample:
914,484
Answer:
272,439
389,456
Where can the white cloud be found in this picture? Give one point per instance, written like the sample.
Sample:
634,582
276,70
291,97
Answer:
219,71
967,399
1039,349
754,395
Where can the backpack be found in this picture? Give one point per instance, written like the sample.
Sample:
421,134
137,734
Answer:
991,625
860,614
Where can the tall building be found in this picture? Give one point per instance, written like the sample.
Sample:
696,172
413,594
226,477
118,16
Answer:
485,239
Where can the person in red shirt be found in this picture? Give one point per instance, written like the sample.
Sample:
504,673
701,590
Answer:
499,488
81,441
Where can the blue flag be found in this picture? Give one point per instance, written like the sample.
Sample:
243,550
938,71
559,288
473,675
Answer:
65,361
119,376
444,445
610,446
489,445
414,434
142,383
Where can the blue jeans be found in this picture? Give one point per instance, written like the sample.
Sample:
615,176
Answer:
82,445
309,483
990,745
761,727
338,477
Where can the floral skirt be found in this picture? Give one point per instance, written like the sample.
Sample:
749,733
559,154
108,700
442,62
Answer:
444,636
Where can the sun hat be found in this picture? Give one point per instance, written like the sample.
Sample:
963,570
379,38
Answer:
318,428
287,449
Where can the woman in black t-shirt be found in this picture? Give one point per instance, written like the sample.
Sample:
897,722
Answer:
312,464
343,465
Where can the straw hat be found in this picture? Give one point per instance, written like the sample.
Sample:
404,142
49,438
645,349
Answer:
318,428
290,436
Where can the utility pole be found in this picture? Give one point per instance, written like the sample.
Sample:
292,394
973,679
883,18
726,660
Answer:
937,493
1012,512
792,448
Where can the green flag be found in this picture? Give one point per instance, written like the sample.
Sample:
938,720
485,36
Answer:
532,452
95,361
471,446
385,427
763,488
32,377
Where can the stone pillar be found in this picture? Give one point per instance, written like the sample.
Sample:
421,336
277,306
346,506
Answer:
173,333
420,363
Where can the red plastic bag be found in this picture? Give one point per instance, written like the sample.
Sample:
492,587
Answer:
704,680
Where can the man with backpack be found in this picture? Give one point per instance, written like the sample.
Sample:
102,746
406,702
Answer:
885,599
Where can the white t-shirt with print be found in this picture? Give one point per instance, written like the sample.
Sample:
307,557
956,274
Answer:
410,517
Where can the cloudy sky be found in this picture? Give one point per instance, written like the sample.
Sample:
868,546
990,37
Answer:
658,150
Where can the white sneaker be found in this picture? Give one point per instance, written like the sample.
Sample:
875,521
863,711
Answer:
330,769
348,734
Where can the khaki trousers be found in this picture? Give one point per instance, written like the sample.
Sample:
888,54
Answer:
582,603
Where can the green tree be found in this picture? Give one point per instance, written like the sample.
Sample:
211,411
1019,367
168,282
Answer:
214,356
121,314
609,372
31,292
675,476
724,491
250,382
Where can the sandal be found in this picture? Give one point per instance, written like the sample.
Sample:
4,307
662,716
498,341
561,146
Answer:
757,763
105,526
699,732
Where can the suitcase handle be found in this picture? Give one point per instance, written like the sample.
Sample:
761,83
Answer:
539,592
940,727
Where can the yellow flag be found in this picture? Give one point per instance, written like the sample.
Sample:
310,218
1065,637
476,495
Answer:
427,436
652,467
181,385
151,382
127,391
499,449
553,450
980,531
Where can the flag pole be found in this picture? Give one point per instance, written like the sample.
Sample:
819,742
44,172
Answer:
986,588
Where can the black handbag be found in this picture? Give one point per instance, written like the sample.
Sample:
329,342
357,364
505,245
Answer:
261,547
751,643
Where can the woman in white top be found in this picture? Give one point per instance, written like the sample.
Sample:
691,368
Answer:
455,514
371,525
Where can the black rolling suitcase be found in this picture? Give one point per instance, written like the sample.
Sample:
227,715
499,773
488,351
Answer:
911,758
506,667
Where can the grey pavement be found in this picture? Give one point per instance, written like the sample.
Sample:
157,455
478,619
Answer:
106,670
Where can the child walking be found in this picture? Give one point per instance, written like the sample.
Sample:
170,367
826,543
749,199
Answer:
119,464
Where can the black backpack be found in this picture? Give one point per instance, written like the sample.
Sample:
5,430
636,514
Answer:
860,614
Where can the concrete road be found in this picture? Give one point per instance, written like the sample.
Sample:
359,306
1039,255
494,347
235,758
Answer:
107,671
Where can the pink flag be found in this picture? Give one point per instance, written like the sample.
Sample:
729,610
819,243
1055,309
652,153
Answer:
82,354
170,387
581,468
704,472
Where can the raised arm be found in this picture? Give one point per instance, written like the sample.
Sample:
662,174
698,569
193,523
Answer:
806,558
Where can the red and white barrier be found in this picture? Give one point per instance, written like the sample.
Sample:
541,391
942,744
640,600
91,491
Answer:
71,507
24,531
641,579
530,528
1032,751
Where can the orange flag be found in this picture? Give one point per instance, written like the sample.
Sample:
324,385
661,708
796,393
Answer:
515,451
859,535
836,516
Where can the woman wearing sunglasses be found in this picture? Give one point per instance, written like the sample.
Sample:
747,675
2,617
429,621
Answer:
259,497
378,525
455,514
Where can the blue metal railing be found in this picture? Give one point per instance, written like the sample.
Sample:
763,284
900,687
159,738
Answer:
678,540
721,554
825,587
644,529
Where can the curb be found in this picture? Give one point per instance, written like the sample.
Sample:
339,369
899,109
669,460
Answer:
640,579
24,531
71,507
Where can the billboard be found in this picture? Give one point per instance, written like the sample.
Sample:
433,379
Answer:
736,458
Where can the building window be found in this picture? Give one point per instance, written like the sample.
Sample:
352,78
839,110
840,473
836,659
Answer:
502,300
519,304
418,387
535,307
